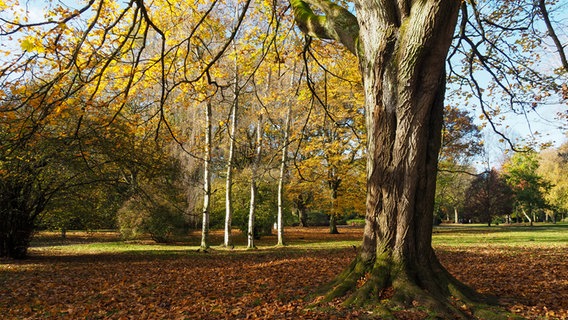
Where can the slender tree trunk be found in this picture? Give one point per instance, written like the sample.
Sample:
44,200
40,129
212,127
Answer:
253,187
456,215
206,179
280,220
230,159
252,212
528,217
302,217
333,216
283,162
229,178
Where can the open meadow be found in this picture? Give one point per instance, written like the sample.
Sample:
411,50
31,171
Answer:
97,276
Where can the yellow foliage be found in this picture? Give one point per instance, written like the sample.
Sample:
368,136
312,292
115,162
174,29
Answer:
32,44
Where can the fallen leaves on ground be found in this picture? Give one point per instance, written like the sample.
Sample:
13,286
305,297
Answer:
266,284
532,282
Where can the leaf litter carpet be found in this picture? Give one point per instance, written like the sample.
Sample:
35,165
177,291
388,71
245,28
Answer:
263,284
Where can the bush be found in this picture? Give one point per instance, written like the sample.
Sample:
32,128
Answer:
356,222
20,203
16,229
139,216
317,218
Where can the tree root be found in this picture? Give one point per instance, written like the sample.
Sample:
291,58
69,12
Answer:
387,286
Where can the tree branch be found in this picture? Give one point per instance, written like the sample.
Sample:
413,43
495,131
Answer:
337,24
552,34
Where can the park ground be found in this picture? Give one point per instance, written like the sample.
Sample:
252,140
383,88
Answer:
97,276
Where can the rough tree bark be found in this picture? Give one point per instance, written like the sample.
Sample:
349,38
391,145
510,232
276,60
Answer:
402,47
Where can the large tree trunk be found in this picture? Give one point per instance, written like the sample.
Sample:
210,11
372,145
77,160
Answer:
402,46
303,217
402,57
301,204
456,215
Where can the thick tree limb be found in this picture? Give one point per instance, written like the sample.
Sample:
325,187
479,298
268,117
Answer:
552,34
337,24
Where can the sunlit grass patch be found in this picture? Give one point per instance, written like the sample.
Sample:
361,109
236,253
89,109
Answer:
538,235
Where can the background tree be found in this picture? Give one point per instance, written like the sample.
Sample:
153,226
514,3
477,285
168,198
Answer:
553,167
328,158
461,144
488,197
529,188
451,185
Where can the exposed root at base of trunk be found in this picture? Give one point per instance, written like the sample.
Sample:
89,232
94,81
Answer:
387,288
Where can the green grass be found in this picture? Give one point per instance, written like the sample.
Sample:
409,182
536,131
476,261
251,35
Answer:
115,247
121,247
541,235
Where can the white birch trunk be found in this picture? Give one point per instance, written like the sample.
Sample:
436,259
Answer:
253,187
206,179
456,216
232,138
229,179
280,214
280,222
528,217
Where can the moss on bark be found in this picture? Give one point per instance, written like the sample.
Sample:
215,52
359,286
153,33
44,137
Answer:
387,286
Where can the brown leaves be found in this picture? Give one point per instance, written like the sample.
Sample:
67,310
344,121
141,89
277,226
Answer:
215,286
530,281
264,284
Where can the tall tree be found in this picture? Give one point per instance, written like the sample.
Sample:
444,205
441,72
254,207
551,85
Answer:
206,178
282,176
488,196
553,166
402,47
529,188
451,184
461,143
253,186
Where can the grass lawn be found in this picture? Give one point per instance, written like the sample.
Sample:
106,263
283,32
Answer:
540,235
98,276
